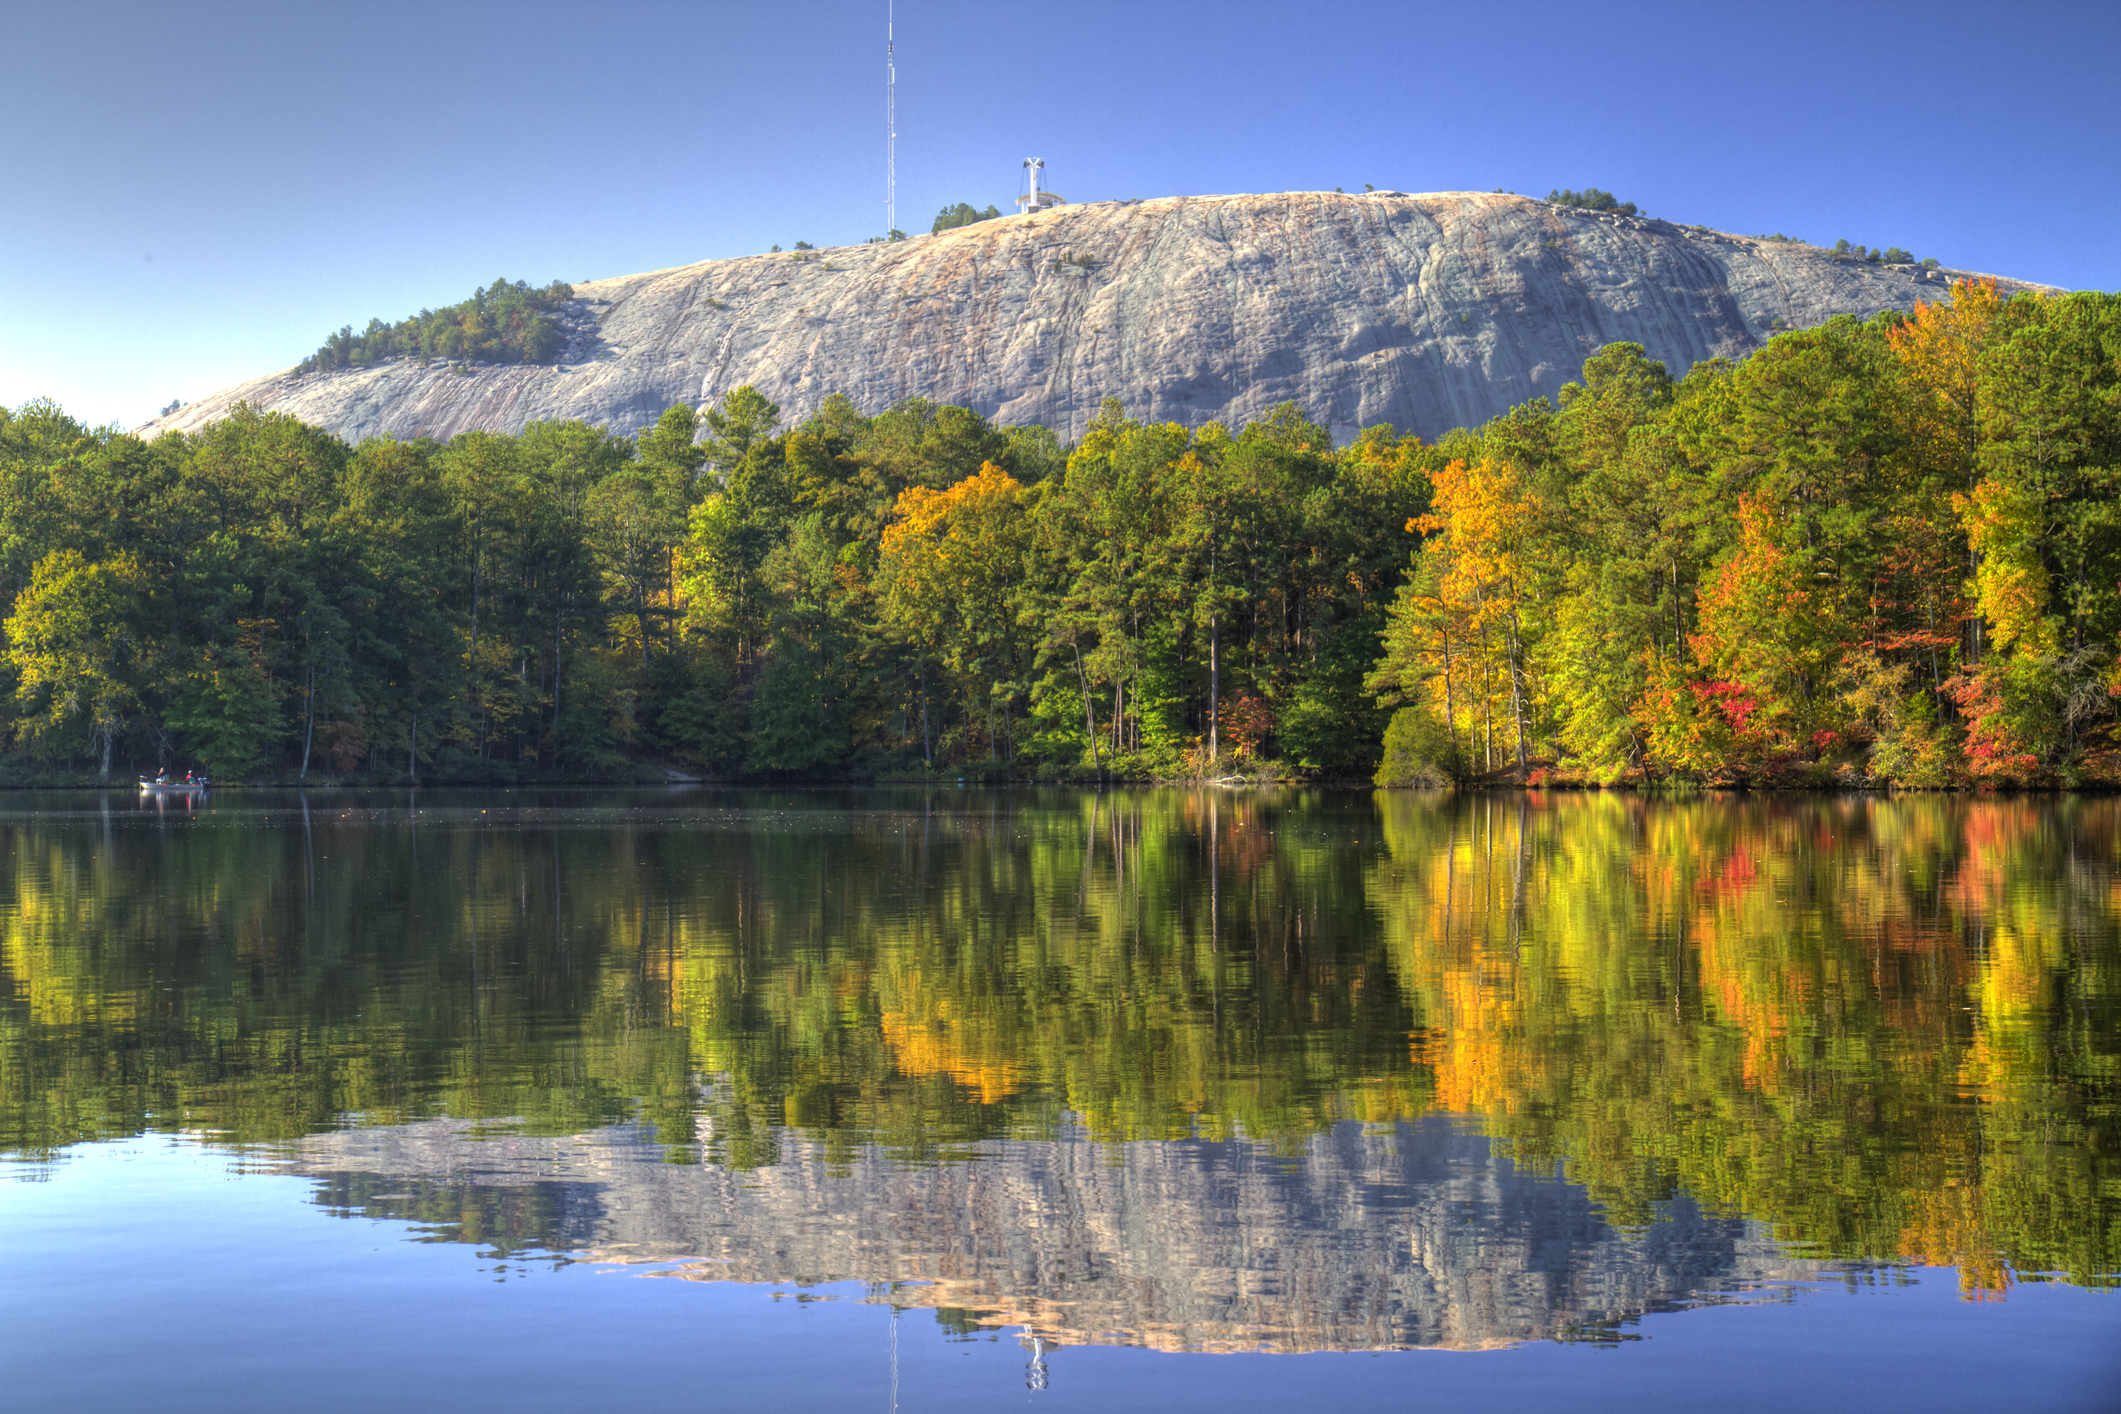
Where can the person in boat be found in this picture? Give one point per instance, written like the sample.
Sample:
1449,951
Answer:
187,778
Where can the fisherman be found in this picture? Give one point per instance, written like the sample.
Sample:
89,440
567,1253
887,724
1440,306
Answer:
187,778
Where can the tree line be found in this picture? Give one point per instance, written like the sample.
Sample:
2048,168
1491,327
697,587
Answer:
503,323
915,591
1591,199
1873,552
962,214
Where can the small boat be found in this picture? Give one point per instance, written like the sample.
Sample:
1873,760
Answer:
197,783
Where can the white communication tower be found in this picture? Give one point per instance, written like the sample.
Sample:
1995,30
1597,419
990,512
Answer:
890,117
1033,199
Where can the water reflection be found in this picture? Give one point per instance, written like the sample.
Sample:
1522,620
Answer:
1360,1238
1133,1028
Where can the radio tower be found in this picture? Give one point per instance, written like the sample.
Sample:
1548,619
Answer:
1035,198
890,118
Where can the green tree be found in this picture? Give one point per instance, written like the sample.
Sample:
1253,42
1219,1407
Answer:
962,214
81,655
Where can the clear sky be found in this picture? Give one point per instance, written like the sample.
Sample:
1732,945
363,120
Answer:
196,193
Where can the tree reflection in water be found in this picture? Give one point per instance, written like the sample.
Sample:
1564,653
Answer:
1885,1029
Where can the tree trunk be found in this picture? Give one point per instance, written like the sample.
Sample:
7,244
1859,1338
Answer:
927,750
1517,693
1215,688
412,752
559,627
640,616
471,689
309,733
1450,704
1678,630
1487,716
1976,637
1082,680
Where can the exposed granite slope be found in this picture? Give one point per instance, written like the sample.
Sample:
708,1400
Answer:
1427,312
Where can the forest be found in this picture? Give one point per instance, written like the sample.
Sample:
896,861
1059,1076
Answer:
1879,552
1883,552
919,591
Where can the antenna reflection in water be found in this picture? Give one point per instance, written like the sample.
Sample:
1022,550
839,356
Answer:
1035,1360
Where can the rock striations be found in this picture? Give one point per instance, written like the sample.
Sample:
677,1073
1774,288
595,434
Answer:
1427,312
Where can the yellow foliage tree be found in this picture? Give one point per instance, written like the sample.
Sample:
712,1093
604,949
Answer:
1940,346
945,573
2010,583
1472,629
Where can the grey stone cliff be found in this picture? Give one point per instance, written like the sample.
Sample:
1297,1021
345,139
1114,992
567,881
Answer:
1427,312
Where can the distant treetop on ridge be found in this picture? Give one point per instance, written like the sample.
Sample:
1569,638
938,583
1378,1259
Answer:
961,214
503,323
1592,199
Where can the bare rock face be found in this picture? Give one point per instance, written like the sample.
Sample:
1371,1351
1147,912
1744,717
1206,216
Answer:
1427,312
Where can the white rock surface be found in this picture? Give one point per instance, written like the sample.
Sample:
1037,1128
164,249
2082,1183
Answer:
1427,312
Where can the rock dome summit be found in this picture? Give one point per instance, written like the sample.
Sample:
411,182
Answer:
1424,311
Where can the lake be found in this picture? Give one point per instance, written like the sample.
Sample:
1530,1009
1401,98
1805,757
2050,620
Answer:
952,1099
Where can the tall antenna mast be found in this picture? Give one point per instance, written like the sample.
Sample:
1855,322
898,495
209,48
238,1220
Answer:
890,117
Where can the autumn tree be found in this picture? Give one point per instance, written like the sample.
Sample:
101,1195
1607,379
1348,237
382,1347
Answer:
946,577
1486,599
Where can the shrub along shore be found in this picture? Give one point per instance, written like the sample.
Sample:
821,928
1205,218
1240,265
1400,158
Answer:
1882,553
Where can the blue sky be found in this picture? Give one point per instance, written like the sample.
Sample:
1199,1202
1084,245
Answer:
197,193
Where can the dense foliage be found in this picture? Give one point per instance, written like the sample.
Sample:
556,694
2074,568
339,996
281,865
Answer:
503,323
1872,551
962,214
912,591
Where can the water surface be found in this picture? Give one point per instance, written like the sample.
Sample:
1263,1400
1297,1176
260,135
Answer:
1061,1097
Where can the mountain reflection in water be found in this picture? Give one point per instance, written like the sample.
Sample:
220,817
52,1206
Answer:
1167,1067
1377,1238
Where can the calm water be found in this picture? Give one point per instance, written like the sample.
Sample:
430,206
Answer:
940,1100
